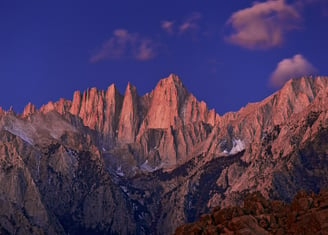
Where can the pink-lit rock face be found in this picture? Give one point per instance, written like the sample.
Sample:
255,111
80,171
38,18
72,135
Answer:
172,105
92,108
61,106
129,119
113,101
126,119
28,110
76,103
295,97
98,110
167,101
159,160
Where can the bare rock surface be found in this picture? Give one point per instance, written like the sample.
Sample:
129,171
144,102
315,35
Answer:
306,214
107,163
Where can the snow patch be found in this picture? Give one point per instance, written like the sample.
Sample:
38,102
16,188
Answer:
147,167
237,146
124,189
20,132
119,171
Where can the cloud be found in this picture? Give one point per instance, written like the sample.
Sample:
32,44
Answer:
124,44
296,66
191,23
145,50
263,25
167,26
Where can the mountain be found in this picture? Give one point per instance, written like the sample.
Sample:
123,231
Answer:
107,163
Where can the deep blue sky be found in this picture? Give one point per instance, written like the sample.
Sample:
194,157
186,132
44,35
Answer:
225,52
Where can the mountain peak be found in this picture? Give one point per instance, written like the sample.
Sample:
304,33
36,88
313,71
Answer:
172,80
1,111
305,84
128,121
111,89
130,88
168,97
29,109
173,77
300,92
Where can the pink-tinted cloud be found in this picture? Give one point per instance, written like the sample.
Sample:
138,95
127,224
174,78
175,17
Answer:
296,66
144,50
124,44
263,25
191,23
167,26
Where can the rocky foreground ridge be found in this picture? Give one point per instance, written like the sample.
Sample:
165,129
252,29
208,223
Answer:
107,163
306,214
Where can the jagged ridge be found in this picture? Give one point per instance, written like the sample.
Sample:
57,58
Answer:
169,109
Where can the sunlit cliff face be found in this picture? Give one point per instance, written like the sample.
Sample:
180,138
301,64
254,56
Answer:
155,161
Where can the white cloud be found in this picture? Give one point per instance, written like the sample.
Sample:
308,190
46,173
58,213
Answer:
125,44
263,25
296,66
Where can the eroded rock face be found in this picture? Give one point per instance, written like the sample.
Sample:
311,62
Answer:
306,214
128,119
55,185
131,164
21,204
28,110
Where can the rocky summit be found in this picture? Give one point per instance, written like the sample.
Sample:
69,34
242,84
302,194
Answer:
111,163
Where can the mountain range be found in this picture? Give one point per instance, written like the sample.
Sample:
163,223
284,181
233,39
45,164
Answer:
107,163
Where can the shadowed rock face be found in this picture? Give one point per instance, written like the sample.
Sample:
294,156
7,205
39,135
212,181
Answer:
108,163
306,214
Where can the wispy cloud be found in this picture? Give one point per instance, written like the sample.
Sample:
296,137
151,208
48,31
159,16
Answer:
189,25
290,68
214,64
124,44
167,26
263,25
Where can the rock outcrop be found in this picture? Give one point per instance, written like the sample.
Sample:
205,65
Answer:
129,118
306,214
